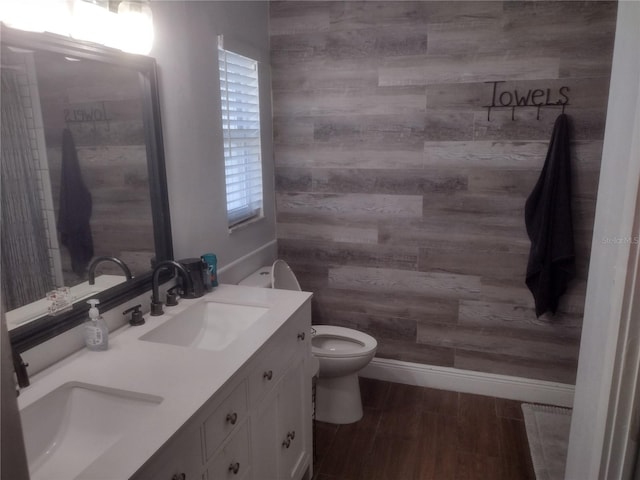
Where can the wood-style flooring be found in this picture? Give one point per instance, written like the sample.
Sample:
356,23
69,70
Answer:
415,433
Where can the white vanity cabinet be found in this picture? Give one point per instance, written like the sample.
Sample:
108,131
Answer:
258,426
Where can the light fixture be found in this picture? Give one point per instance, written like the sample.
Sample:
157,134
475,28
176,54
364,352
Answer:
129,29
93,22
136,26
37,15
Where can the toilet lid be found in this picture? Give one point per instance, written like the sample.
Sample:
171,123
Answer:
333,341
282,277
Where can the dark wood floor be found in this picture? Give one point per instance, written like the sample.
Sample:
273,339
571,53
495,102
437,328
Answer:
414,433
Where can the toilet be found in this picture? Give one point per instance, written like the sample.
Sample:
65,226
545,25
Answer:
341,353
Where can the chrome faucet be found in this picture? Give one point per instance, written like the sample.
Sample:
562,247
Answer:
156,304
116,260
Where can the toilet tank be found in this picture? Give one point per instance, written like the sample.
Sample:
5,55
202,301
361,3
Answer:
260,278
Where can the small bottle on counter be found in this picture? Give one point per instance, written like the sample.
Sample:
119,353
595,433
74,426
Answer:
96,333
212,266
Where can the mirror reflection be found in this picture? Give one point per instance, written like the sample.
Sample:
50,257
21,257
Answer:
75,183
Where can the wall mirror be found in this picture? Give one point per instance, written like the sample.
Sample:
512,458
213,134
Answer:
83,177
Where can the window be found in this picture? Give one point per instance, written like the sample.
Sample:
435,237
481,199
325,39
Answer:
241,128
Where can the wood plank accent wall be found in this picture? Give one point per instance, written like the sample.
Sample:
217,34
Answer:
400,204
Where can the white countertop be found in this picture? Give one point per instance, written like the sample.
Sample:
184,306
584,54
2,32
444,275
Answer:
185,378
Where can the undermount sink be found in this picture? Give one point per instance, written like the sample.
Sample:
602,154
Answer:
206,325
69,428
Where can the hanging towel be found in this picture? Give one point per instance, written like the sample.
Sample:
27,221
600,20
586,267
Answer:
75,208
549,226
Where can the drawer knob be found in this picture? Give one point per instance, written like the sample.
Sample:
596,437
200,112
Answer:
286,443
232,418
179,476
291,434
301,336
268,374
234,467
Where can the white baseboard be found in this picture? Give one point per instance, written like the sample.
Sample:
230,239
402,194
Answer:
446,378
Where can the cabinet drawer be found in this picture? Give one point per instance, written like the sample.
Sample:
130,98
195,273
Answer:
268,371
232,461
230,413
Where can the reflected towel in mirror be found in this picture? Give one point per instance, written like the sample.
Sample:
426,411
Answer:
75,208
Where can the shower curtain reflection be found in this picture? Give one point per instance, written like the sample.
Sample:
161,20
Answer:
25,263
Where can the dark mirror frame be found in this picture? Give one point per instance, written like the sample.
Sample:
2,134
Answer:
42,329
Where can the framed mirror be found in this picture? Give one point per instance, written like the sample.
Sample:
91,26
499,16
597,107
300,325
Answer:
83,177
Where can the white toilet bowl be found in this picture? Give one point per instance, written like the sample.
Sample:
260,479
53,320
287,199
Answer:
342,353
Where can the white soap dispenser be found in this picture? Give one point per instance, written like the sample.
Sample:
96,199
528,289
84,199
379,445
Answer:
96,333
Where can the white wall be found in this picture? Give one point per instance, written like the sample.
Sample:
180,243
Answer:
185,48
615,213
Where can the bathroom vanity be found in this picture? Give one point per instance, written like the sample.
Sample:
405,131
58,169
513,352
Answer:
216,388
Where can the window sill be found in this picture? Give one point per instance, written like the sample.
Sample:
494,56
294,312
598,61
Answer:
245,224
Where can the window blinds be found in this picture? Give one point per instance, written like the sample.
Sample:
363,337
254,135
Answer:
241,129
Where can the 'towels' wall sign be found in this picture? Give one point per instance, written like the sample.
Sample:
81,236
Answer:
533,97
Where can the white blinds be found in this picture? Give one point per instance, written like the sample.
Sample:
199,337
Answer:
241,127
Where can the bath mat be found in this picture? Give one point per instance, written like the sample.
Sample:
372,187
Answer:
548,434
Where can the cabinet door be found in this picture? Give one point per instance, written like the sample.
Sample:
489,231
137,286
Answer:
292,421
264,438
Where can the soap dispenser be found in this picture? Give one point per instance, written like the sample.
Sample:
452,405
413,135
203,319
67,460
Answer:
96,333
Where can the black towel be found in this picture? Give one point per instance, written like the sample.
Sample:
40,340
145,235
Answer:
75,208
549,225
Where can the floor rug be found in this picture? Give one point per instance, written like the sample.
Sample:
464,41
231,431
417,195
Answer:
548,435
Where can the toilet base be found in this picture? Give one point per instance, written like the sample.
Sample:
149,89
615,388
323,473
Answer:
338,399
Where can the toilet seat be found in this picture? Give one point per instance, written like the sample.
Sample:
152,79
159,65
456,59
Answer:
341,342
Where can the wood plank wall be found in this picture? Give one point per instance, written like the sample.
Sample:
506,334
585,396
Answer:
400,204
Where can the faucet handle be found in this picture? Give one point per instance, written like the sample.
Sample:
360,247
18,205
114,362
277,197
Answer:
136,316
172,296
